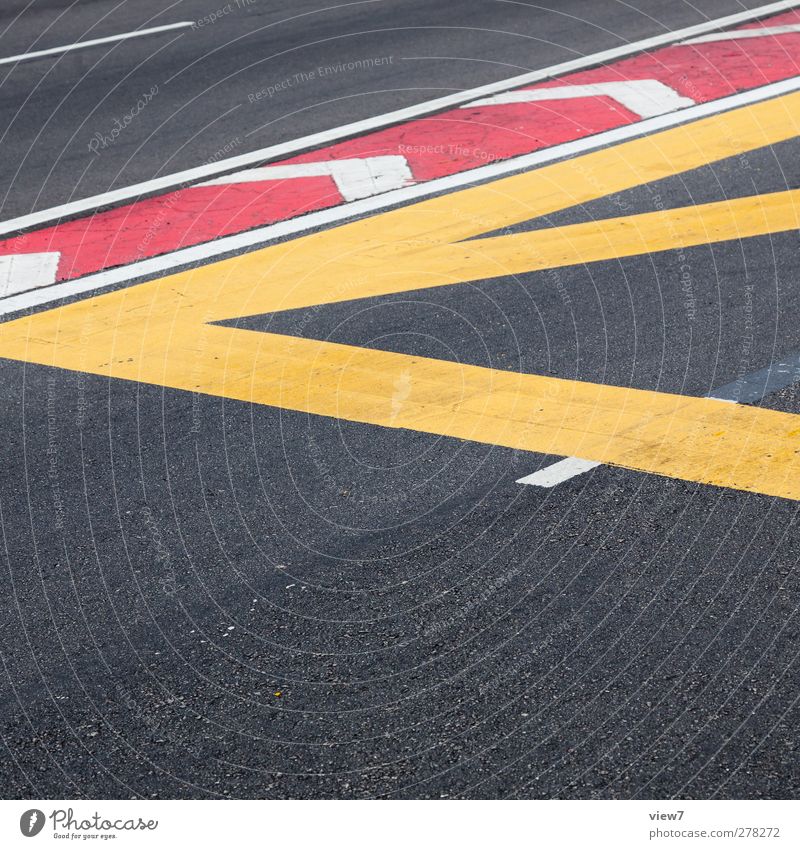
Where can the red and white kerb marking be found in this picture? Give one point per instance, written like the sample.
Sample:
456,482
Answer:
491,129
22,272
354,178
645,98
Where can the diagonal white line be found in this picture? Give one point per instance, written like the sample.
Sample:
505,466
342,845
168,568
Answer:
80,45
746,389
739,34
559,472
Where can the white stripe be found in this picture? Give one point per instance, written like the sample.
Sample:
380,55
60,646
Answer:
355,178
80,45
570,467
645,98
737,35
241,241
559,472
21,272
260,156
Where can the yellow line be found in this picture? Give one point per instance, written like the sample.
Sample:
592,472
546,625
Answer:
159,332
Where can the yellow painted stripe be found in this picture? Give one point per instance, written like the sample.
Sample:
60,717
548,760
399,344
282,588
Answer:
159,332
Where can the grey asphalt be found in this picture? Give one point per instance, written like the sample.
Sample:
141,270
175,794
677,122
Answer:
204,598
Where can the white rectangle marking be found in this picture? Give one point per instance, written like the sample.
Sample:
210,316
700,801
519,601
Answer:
23,272
355,178
559,472
646,98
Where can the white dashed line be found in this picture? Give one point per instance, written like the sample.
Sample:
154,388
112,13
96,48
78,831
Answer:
559,472
747,389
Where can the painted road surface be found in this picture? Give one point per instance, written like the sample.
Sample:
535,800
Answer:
481,483
486,130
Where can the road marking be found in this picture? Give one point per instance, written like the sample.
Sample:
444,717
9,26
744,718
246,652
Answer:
559,472
434,147
355,178
646,98
263,155
170,331
745,390
81,45
22,272
739,34
243,241
753,387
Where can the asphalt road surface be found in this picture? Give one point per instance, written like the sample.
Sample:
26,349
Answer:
53,107
205,597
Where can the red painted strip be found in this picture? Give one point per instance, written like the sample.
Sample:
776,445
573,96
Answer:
436,146
175,220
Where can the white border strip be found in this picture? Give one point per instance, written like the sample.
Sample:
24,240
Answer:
80,45
241,241
739,34
269,153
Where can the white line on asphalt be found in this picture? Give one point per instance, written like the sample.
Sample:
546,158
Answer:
170,181
252,238
355,178
559,472
739,34
646,98
80,45
746,389
21,272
